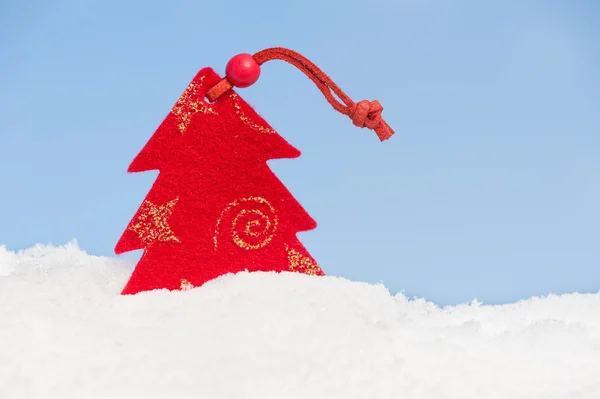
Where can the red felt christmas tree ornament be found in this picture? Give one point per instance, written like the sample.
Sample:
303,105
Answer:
216,207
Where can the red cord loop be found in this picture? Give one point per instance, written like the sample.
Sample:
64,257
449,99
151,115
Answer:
363,114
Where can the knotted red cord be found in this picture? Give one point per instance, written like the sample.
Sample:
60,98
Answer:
363,114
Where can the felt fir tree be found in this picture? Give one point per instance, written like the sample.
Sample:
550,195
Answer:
216,207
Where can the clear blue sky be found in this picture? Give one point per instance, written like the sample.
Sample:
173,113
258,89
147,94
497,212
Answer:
490,188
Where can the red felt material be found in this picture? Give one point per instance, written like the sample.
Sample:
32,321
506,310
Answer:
216,207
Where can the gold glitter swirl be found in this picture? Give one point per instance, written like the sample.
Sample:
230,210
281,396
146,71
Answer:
245,119
185,285
189,104
253,226
152,224
302,264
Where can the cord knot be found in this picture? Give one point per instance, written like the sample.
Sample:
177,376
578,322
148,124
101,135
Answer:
367,114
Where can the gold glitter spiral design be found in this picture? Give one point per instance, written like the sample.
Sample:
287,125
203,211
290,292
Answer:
253,222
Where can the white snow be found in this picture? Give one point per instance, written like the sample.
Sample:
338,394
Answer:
65,332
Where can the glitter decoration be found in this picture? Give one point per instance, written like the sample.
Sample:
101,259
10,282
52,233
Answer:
185,285
253,226
302,264
189,104
245,119
232,212
152,224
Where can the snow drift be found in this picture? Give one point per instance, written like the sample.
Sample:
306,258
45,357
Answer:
65,332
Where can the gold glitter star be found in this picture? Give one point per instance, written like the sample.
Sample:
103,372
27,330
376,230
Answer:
189,104
152,224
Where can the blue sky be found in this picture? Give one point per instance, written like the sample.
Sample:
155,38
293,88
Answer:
490,188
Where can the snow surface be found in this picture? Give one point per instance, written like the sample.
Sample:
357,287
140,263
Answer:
65,332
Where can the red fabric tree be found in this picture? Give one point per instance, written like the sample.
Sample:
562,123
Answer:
216,207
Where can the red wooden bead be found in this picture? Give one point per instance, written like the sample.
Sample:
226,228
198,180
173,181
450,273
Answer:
242,70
